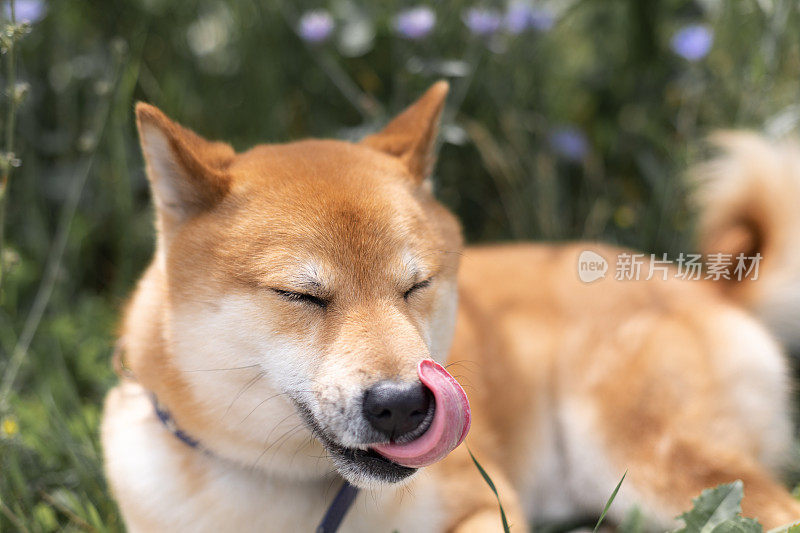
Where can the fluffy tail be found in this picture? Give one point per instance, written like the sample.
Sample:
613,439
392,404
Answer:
749,203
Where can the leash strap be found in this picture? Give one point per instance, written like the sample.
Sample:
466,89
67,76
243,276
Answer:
338,509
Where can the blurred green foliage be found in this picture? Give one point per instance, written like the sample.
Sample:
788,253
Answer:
605,76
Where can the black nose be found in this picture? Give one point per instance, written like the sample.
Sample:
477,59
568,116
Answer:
394,408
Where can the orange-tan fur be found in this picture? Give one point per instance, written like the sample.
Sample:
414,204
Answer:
748,197
570,383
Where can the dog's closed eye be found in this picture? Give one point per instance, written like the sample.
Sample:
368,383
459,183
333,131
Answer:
302,297
416,287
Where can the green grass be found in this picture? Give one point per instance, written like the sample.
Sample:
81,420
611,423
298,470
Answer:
608,503
490,483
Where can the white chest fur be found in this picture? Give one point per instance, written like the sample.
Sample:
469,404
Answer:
164,485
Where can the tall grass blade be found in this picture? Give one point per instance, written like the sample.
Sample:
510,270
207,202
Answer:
489,482
609,502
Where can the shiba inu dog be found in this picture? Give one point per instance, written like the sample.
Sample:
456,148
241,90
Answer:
287,336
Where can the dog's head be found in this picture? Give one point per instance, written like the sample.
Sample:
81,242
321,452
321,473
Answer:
302,286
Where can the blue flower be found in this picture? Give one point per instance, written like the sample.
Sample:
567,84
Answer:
27,10
315,26
521,17
569,142
693,42
482,21
415,23
517,17
541,19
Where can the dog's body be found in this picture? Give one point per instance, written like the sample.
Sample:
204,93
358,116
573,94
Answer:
290,278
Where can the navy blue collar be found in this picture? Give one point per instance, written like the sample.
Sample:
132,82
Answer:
339,506
333,516
164,415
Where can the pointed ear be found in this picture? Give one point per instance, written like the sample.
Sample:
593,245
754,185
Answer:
412,134
187,173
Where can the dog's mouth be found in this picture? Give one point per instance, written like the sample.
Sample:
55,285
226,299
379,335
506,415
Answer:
357,465
448,427
444,428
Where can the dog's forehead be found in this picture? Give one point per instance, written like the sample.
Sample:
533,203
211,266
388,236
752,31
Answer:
312,160
319,208
334,232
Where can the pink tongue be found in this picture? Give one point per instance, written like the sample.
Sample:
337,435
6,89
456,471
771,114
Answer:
450,423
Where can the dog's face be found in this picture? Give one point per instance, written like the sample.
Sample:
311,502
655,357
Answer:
303,281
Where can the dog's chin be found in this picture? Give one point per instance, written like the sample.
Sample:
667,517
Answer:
362,468
367,468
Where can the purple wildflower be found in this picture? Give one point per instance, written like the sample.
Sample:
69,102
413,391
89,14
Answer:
521,17
541,19
415,23
569,142
482,22
693,42
315,26
29,11
517,17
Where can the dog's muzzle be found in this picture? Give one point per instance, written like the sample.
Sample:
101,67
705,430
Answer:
422,424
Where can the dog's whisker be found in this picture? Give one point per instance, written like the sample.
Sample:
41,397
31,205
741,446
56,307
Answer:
283,440
265,400
375,499
262,402
463,362
275,442
267,439
461,379
329,487
221,369
460,371
301,446
244,389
